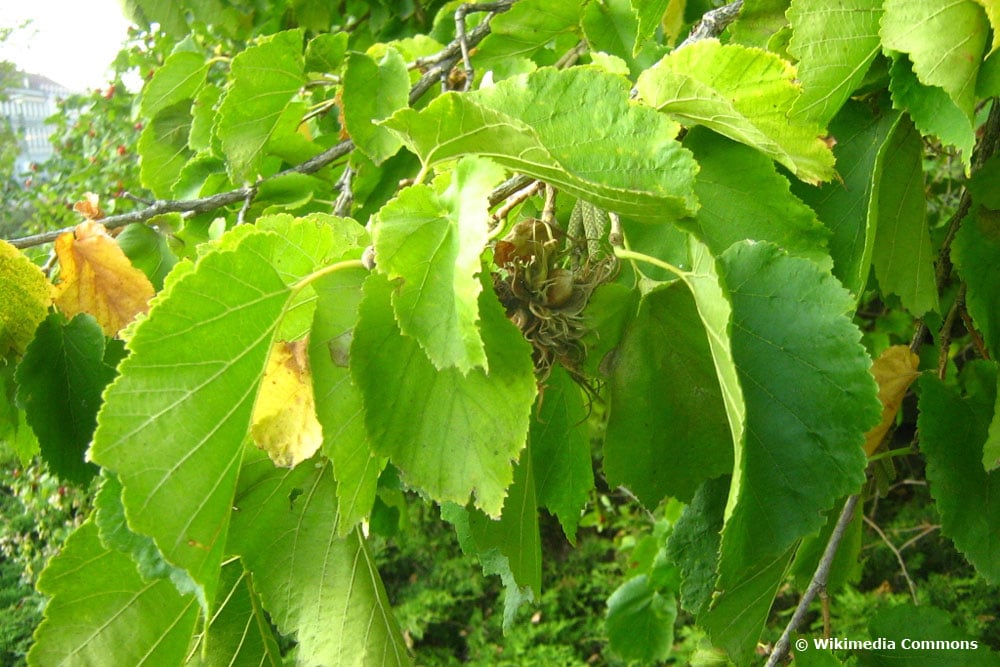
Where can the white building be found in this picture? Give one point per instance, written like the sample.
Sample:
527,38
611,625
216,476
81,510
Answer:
30,99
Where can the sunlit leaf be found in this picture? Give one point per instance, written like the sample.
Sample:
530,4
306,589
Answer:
163,148
179,78
372,92
745,94
95,277
25,296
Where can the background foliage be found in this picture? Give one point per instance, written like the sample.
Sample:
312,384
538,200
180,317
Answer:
439,284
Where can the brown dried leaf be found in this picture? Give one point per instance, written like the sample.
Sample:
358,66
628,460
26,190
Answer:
894,371
97,278
284,418
89,207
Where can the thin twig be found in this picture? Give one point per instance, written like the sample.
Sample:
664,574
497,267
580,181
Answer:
899,557
513,200
818,582
241,217
342,207
713,23
944,335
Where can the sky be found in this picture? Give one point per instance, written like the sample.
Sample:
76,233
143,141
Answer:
71,42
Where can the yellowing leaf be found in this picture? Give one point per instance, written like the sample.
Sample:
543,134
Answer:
894,371
97,278
284,417
24,299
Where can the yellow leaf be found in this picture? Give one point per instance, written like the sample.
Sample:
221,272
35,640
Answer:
25,297
97,278
284,418
894,371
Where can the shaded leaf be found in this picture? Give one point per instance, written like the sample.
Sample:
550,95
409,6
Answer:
694,543
325,52
284,420
64,366
917,625
976,253
137,622
373,91
894,371
263,80
834,44
179,78
640,621
320,588
759,21
527,27
745,94
148,250
95,277
484,415
953,429
163,148
433,243
25,296
630,162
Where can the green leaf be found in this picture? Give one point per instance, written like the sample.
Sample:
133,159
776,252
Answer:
650,15
338,401
976,253
953,429
325,52
101,607
205,343
64,366
148,251
744,197
847,207
666,404
263,80
640,621
240,632
168,13
846,566
932,111
25,297
432,242
515,534
694,543
745,94
612,27
630,162
902,255
916,625
809,401
524,29
560,451
203,116
484,415
179,78
163,148
372,92
945,40
834,45
321,588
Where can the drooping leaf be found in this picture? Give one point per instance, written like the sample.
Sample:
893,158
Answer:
745,94
25,296
976,253
902,255
560,451
264,78
484,415
612,27
933,112
95,277
917,625
205,343
953,429
894,371
163,148
847,208
179,78
744,197
650,15
834,45
926,30
809,401
284,420
694,543
640,621
325,52
432,241
667,429
321,588
630,162
374,91
338,401
148,250
99,607
64,366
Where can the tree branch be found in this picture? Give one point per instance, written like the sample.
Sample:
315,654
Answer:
818,582
439,66
713,23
